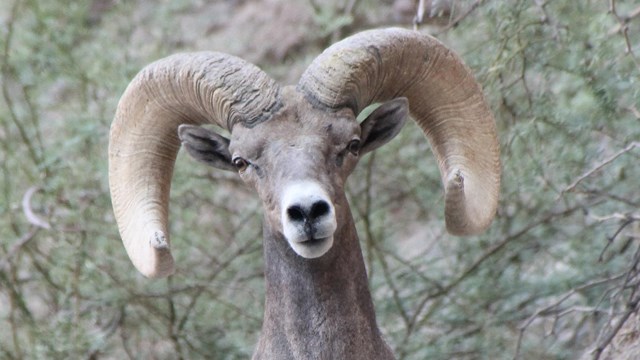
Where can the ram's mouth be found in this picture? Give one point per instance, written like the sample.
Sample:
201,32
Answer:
312,247
314,241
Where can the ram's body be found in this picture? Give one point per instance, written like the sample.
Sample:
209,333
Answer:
296,146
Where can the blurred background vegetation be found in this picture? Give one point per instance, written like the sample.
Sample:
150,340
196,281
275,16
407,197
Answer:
555,277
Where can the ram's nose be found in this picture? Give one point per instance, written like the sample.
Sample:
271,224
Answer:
308,218
308,215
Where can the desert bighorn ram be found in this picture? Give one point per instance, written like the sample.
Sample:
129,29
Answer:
296,146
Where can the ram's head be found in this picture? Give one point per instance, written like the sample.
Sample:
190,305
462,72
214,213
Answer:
297,145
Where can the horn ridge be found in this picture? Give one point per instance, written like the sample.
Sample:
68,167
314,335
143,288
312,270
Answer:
444,99
188,88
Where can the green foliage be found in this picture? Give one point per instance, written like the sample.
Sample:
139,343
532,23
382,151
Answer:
546,281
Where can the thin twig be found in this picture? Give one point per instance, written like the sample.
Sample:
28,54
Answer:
632,304
632,307
623,28
4,263
6,71
188,310
624,20
394,289
455,22
547,309
611,238
600,165
494,249
417,20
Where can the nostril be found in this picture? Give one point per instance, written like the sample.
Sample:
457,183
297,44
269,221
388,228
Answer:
296,213
319,209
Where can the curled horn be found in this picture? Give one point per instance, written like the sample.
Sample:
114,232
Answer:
444,99
194,88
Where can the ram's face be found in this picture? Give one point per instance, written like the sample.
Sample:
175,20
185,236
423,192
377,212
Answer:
298,162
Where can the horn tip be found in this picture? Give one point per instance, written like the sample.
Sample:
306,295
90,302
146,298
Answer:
455,182
154,260
159,241
467,214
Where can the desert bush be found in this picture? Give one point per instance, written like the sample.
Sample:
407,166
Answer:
552,278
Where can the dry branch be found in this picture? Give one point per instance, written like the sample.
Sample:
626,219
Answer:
623,28
4,263
600,165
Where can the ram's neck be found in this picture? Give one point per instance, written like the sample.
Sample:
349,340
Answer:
320,308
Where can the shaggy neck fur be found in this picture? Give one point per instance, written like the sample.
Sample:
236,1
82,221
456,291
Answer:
319,308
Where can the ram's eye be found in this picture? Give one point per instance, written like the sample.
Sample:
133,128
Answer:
354,147
240,163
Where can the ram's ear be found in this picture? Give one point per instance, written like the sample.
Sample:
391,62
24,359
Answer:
383,124
206,146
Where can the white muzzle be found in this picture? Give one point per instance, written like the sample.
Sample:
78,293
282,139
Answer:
308,218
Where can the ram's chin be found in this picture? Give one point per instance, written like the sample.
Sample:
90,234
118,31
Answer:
313,248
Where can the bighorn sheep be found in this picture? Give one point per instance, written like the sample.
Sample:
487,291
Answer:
296,146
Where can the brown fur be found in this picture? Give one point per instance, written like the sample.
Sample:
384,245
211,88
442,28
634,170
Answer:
317,306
